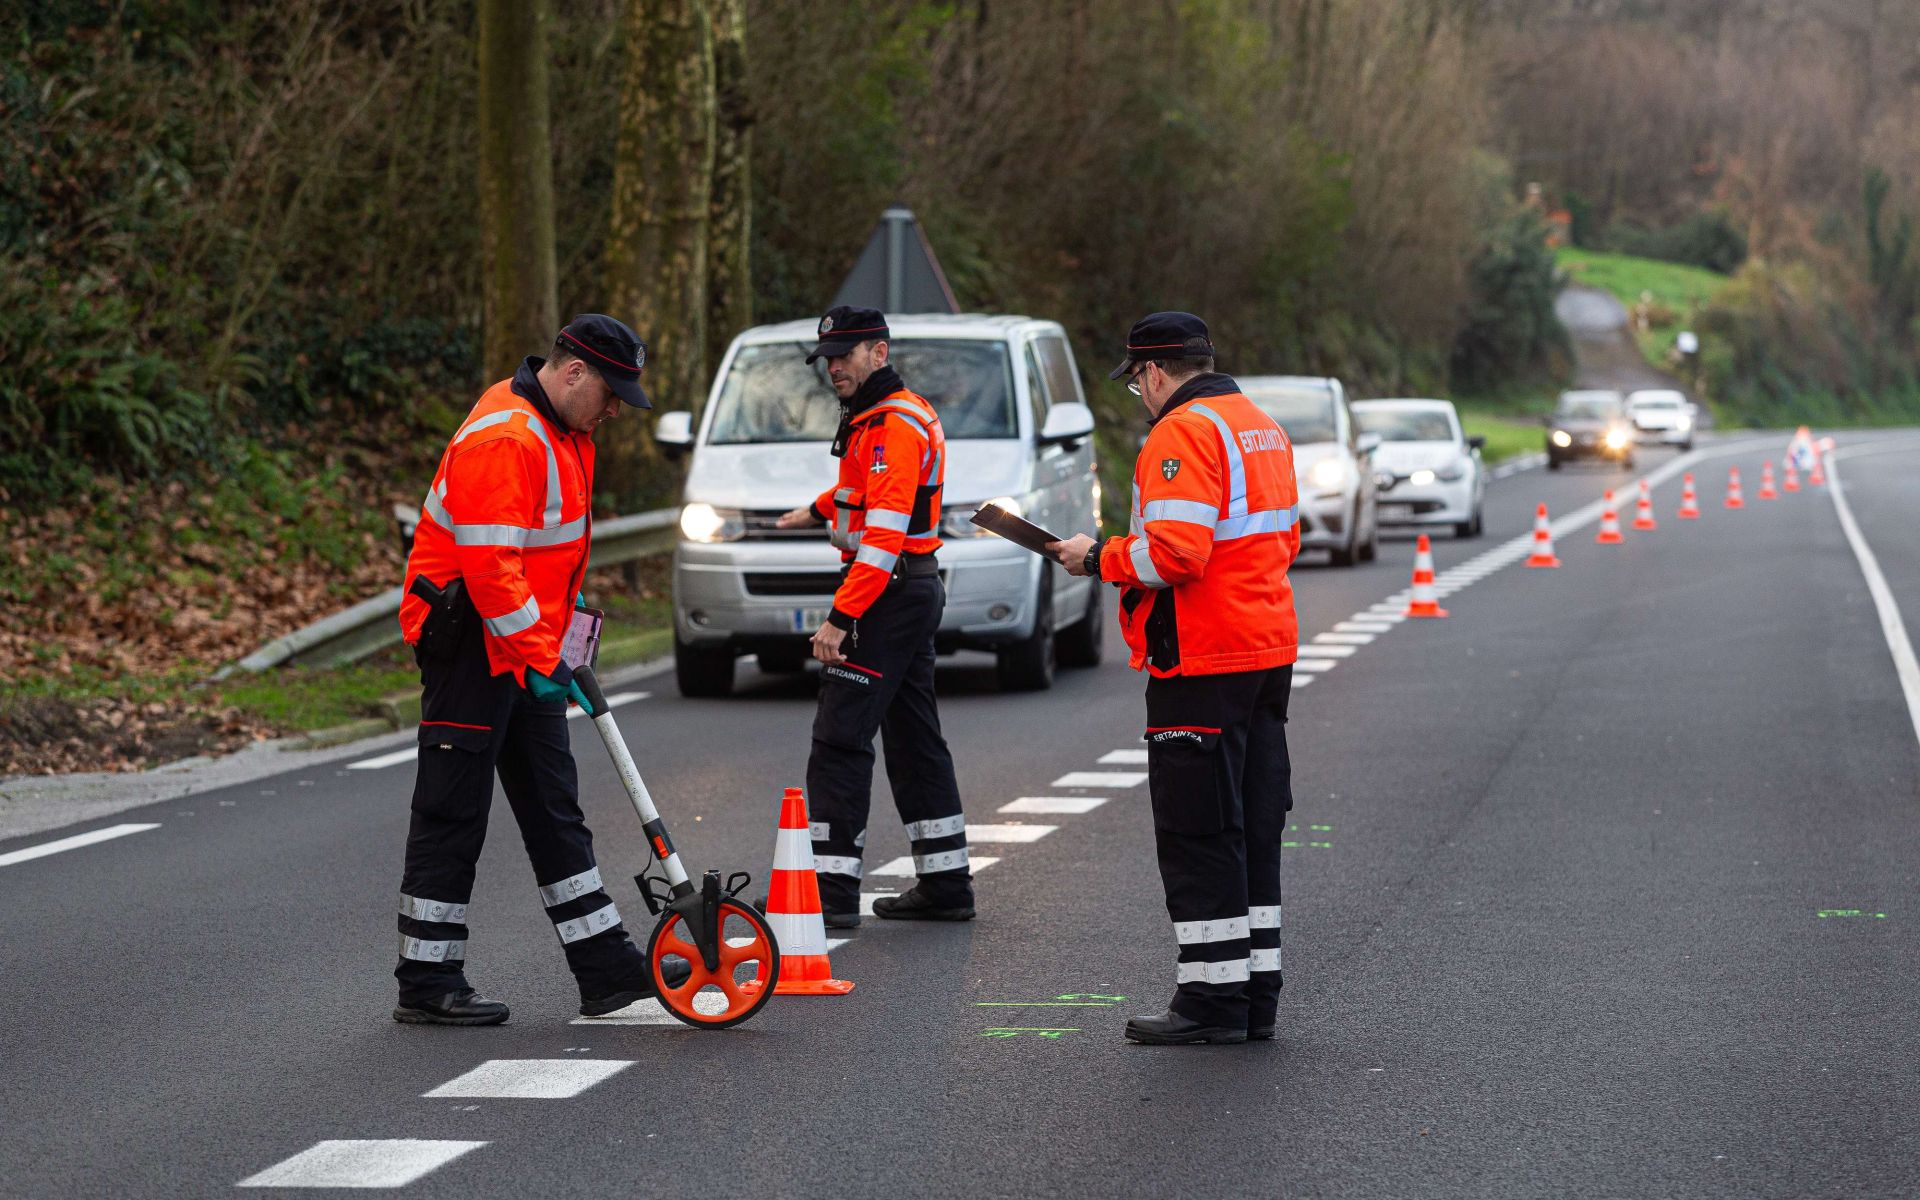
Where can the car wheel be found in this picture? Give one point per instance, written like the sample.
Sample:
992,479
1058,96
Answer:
1027,666
703,672
1686,447
1463,529
1626,461
1370,549
1079,644
1553,462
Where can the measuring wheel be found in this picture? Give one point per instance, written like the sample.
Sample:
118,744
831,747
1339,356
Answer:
712,996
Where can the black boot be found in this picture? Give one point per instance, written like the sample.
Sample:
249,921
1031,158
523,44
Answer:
1259,1033
462,1007
1172,1029
638,986
914,906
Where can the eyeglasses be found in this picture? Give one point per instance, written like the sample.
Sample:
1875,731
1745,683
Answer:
1133,380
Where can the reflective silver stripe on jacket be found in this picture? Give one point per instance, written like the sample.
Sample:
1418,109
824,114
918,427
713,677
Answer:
1136,526
873,556
598,921
1236,465
841,533
1232,971
508,624
1193,933
1264,960
1266,520
555,499
833,864
919,831
886,518
1191,512
1263,916
1142,561
424,951
571,888
432,910
506,536
945,860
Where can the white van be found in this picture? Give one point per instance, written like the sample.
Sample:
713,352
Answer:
1018,431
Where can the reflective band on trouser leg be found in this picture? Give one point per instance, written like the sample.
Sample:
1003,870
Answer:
598,921
425,951
1191,933
820,830
1142,561
1264,922
571,888
444,911
1264,960
798,933
1231,971
791,848
945,860
508,624
920,831
1263,916
833,864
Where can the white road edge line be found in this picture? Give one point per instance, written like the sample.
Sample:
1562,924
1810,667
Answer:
72,843
1894,629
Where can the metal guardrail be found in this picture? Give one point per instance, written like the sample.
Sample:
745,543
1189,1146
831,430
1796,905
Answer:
353,633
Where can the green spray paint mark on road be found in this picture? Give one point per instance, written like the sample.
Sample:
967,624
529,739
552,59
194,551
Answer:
1042,1004
1014,1031
1849,912
1310,845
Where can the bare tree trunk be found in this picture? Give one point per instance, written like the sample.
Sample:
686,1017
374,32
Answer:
730,228
518,309
656,259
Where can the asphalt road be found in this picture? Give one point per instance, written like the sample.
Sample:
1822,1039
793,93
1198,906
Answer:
1554,924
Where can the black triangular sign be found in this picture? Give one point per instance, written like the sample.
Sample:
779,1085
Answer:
897,272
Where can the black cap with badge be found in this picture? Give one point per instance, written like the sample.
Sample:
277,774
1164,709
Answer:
612,349
845,327
1163,335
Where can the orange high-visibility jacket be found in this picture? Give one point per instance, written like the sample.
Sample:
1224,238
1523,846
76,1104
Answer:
508,513
887,500
1204,570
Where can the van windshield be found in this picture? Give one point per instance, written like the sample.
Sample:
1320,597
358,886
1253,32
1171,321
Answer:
772,395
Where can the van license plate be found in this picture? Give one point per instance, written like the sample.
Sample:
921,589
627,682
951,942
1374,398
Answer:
808,620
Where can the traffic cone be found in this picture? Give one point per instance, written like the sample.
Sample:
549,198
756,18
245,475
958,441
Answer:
1609,534
1542,555
1792,483
1643,509
793,910
1424,603
1818,476
1689,503
1766,481
1733,489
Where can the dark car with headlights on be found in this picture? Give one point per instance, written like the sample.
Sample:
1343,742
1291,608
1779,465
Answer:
1589,424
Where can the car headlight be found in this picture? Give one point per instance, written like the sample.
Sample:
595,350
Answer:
1421,478
1617,439
1327,473
705,523
1562,438
1684,423
958,522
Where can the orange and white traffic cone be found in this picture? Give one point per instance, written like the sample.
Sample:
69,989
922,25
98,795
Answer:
1542,555
1818,476
1424,603
1733,489
1689,503
793,910
1792,483
1766,481
1609,534
1643,509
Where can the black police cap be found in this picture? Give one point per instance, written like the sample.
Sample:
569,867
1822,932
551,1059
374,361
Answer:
845,327
1164,335
612,349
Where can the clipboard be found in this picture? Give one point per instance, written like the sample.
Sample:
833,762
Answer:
1019,531
582,643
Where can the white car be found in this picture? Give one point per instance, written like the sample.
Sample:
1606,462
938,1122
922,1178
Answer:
1662,415
1427,469
1330,462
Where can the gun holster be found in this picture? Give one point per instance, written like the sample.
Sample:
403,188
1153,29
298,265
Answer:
450,614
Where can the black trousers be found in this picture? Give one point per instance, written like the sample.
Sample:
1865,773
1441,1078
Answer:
886,687
1221,784
473,726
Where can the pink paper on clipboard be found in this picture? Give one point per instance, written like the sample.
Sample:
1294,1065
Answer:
582,642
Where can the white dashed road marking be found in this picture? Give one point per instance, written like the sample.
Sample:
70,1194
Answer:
530,1078
360,1163
574,713
1100,779
1343,639
1055,804
1321,649
1123,758
71,843
991,834
386,760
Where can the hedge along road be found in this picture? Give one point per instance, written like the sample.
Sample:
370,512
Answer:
1554,925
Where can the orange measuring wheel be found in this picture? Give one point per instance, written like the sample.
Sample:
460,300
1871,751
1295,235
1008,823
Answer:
712,996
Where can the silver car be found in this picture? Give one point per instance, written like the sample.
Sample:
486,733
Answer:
1331,463
1427,469
1018,433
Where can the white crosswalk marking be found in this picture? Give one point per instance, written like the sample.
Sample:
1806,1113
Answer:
93,837
1100,779
904,866
1124,758
530,1078
1054,804
409,753
988,834
360,1163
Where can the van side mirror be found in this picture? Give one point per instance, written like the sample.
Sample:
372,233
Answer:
1477,442
673,433
1067,422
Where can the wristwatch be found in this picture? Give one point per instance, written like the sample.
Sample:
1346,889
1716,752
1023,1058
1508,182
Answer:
1091,563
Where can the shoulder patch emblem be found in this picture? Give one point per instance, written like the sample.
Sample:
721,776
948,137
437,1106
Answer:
1169,467
879,460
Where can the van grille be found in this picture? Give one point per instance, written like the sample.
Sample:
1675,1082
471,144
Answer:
760,528
792,583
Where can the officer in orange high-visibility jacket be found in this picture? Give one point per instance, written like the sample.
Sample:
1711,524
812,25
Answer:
876,646
491,584
1207,611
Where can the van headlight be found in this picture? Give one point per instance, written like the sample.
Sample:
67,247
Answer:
705,523
1328,473
1562,438
957,522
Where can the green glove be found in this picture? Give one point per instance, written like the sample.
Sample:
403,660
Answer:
548,690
